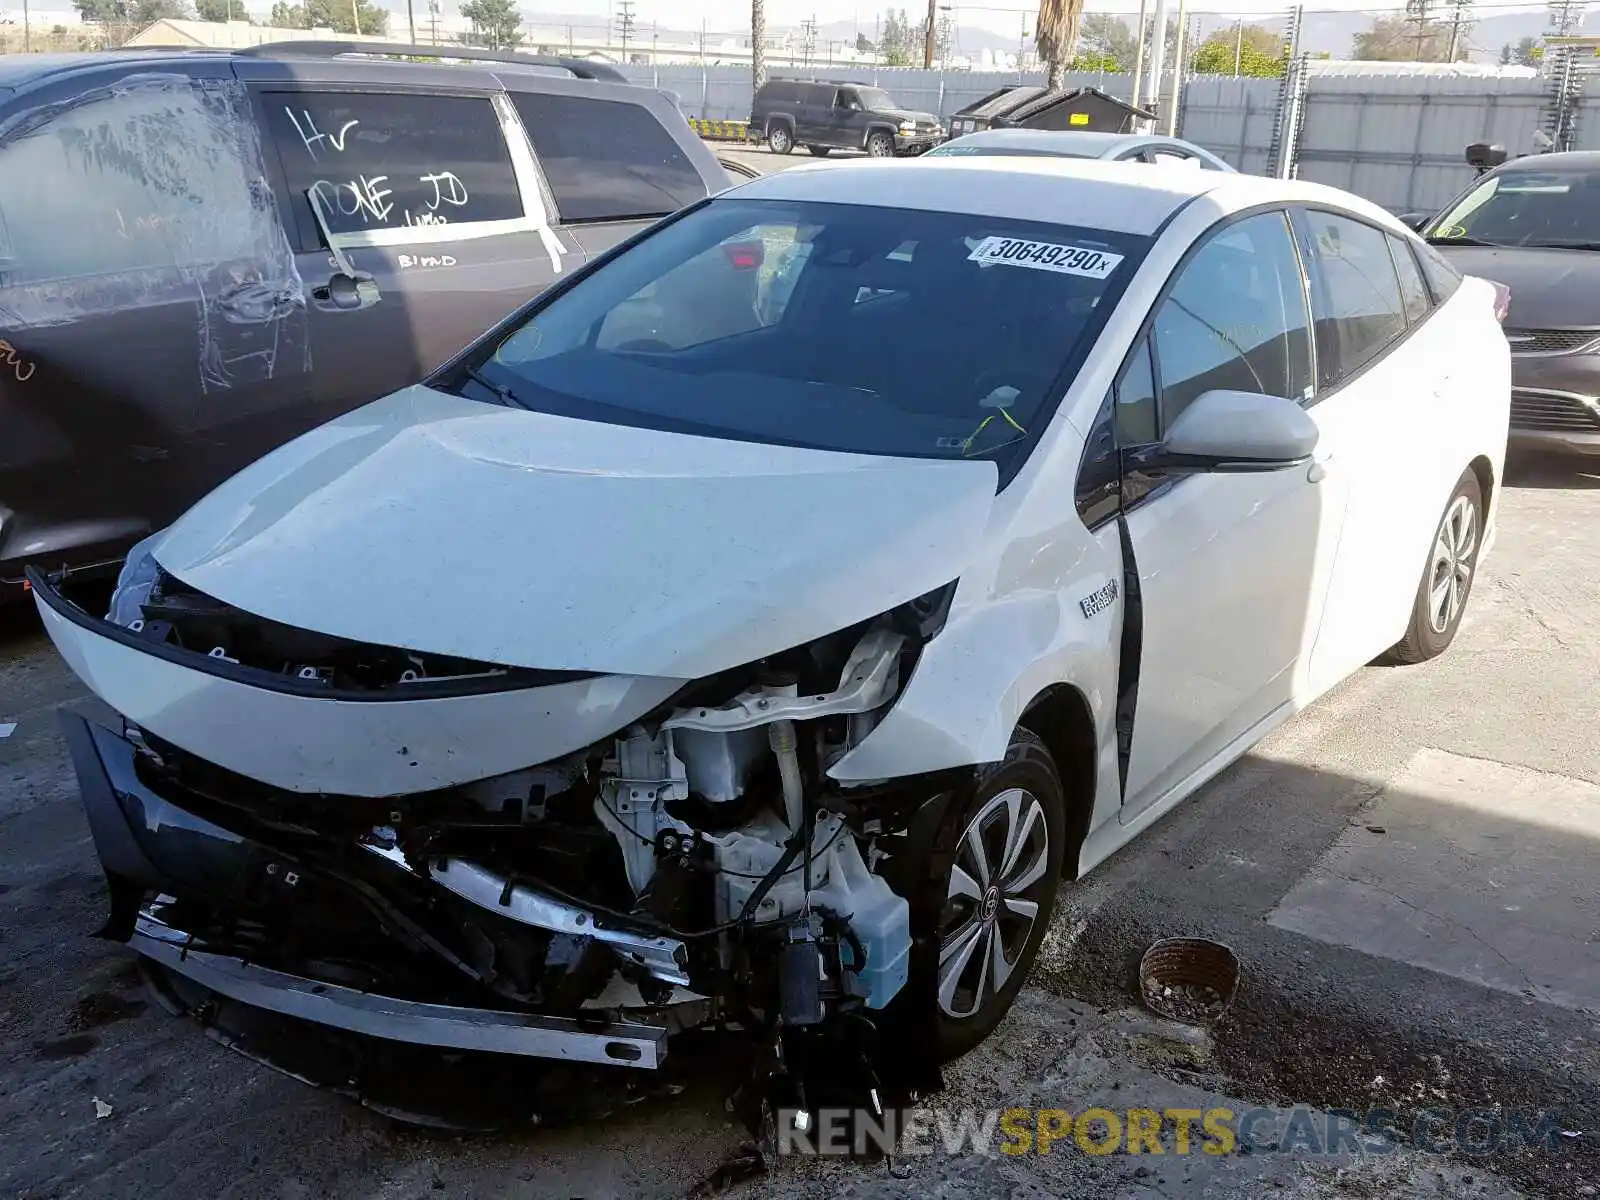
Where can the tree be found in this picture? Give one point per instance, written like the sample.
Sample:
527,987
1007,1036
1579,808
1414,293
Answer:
863,46
496,24
130,12
330,14
222,10
1091,61
758,43
1054,34
1395,39
1109,38
1527,52
900,42
1257,52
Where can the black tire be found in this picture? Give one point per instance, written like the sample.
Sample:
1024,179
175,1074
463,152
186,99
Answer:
880,145
1000,800
780,138
1447,578
820,151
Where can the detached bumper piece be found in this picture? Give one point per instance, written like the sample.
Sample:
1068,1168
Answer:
618,1045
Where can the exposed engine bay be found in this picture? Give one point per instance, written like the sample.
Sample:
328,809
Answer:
695,867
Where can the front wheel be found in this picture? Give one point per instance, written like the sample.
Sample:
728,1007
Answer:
880,145
1447,580
780,140
998,892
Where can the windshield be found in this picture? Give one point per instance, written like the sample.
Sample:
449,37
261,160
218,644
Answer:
875,99
1000,149
840,327
1526,208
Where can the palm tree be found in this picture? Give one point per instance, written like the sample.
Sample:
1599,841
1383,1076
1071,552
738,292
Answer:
758,43
1055,33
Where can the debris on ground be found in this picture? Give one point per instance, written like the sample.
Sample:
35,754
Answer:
1192,1003
102,1110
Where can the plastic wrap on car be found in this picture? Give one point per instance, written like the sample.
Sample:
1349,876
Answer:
192,146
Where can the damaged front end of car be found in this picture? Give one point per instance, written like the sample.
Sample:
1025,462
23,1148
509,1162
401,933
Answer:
558,866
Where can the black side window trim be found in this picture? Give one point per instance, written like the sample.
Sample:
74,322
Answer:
1303,239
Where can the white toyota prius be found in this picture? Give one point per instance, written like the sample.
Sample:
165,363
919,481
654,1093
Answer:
759,627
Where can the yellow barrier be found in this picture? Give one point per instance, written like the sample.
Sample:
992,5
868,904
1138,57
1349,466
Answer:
723,131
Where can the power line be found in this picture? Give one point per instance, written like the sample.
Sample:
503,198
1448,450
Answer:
625,24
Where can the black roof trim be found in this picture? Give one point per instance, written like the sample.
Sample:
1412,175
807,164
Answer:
578,67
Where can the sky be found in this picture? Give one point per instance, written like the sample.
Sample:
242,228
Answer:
1003,16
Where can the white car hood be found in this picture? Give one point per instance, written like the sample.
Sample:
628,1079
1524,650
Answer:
437,523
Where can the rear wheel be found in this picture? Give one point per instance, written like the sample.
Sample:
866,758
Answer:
998,892
880,145
1447,580
780,139
820,151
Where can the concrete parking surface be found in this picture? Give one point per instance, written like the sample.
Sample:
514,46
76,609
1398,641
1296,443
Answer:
1407,872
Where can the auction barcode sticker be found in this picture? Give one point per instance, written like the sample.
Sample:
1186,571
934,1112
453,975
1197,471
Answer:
1046,256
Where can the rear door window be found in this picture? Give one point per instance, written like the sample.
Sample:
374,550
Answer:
1355,295
1443,279
1413,290
607,160
391,160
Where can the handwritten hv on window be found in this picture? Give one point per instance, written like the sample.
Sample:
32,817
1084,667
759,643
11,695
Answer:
371,197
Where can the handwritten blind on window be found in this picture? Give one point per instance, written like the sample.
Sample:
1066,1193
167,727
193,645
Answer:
391,161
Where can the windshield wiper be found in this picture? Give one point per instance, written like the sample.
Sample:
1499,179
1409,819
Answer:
1575,244
1463,241
503,393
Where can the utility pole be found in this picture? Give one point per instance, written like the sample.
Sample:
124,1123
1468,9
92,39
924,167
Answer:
625,24
1138,53
1238,46
1458,19
411,20
1158,53
1177,71
927,35
355,13
27,29
1420,12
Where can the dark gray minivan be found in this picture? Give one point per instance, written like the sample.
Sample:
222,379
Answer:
204,254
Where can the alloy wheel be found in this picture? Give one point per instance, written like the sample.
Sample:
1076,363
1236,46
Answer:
1450,571
992,901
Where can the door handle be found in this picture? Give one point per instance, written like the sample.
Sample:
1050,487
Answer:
346,293
347,289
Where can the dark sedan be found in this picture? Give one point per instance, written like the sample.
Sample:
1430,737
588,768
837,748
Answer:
1533,224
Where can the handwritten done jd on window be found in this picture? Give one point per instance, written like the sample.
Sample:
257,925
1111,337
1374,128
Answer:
386,161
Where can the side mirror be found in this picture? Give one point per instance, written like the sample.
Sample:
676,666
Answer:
1234,431
1484,156
1416,221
